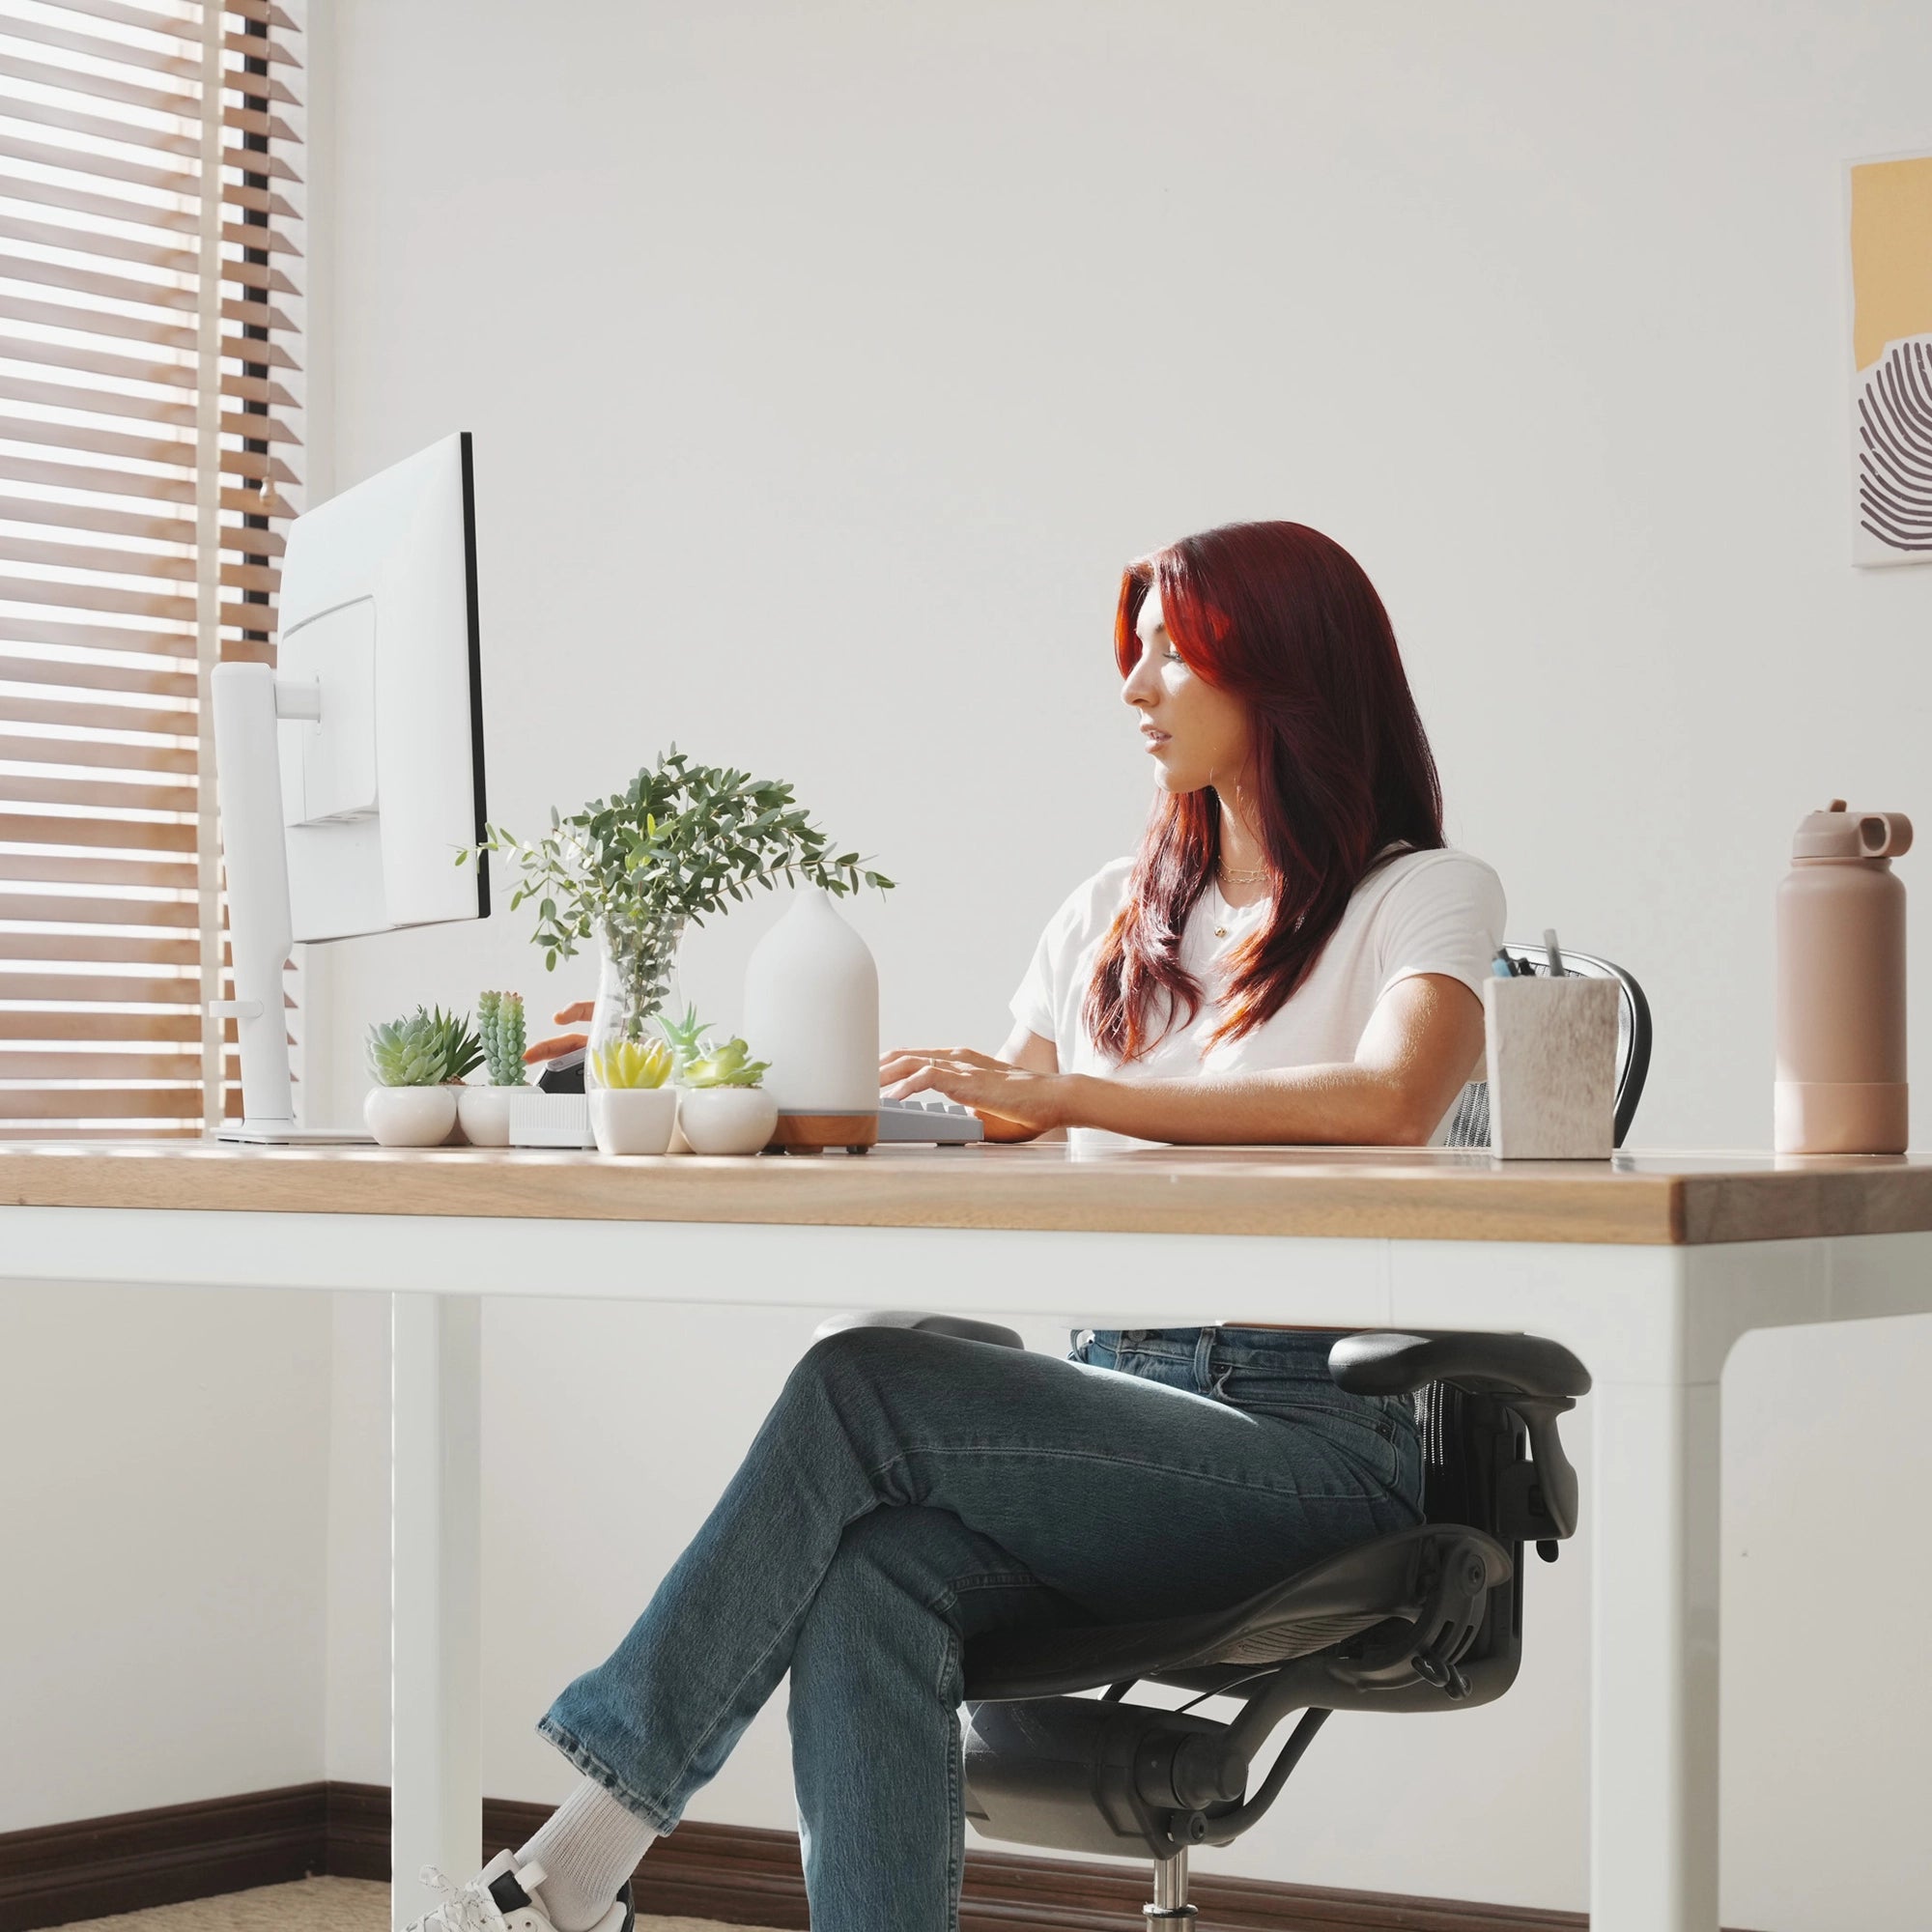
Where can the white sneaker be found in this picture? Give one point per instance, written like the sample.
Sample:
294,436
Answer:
499,1899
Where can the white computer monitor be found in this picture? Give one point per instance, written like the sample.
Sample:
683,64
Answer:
352,773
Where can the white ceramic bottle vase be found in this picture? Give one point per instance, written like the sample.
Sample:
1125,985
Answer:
1841,1081
812,1009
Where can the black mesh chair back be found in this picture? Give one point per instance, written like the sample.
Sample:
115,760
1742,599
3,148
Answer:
1470,1126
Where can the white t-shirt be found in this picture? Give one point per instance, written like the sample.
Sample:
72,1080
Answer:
1421,912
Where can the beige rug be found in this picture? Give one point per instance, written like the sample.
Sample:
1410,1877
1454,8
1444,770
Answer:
313,1905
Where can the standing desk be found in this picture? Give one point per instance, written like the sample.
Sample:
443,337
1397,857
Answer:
1649,1267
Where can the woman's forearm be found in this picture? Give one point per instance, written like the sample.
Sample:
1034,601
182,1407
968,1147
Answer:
1423,1040
1342,1105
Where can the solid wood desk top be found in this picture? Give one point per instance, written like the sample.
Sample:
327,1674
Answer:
1373,1193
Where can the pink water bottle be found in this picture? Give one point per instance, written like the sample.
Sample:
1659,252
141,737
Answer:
1842,1079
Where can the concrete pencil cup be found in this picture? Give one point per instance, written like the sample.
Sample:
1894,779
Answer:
1552,1067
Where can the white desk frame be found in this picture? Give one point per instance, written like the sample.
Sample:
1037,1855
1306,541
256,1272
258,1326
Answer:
1654,1325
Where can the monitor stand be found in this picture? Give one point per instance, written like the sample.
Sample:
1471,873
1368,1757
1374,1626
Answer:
247,701
286,1134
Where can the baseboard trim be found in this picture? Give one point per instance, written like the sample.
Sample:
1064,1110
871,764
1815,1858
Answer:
58,1873
94,1866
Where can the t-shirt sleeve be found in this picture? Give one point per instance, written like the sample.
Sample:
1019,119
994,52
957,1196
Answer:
1048,1000
1445,917
1036,1004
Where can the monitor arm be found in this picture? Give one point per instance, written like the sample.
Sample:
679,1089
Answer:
247,701
255,862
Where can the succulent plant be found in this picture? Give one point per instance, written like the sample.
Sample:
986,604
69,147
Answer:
728,1066
425,1049
632,1062
462,1050
685,1038
499,1018
405,1053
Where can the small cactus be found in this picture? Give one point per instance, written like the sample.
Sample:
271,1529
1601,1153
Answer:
499,1018
632,1062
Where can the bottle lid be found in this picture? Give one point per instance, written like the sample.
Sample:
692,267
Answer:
1837,834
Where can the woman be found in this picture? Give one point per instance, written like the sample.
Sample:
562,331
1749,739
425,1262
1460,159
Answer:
1291,957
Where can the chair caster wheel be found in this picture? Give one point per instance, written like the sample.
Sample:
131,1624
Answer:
859,1150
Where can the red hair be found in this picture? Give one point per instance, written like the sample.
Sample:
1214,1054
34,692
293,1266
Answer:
1283,619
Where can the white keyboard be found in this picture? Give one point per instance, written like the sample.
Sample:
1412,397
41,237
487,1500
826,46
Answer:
925,1116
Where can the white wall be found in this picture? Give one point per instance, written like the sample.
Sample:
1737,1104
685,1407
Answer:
827,359
826,362
163,1472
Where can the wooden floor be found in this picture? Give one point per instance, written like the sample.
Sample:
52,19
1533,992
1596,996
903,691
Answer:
312,1905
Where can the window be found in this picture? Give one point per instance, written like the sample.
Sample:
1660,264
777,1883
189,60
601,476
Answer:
150,332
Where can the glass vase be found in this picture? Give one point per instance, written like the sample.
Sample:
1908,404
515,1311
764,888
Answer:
636,977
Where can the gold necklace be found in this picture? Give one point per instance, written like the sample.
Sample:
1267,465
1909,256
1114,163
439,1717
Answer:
1262,872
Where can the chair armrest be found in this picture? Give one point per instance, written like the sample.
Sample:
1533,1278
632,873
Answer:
959,1327
1501,1365
1538,1378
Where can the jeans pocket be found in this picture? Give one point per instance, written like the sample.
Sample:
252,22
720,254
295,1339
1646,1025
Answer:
1373,1431
1304,1397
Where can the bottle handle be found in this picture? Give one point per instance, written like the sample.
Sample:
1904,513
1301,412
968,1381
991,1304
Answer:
1884,834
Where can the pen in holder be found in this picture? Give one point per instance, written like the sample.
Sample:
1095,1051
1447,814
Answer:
1553,1067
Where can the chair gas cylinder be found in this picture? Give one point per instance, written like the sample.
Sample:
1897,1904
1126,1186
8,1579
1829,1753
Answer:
1841,1073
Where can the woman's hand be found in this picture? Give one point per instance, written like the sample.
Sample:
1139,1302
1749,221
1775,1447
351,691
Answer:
577,1013
1012,1103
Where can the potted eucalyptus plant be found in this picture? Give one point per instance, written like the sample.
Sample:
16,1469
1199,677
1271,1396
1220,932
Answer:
627,873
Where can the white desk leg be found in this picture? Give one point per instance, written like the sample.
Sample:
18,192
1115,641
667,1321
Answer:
1654,1644
435,1587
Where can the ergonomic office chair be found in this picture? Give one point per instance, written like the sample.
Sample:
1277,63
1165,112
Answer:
1427,1619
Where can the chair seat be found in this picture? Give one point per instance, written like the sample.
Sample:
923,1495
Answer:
1325,1603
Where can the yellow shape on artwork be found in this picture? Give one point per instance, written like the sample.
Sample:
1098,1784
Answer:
1892,254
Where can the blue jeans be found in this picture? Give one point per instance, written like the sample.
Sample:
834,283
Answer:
908,1492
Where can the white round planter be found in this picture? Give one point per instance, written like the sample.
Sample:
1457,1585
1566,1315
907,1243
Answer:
727,1120
485,1114
406,1116
633,1119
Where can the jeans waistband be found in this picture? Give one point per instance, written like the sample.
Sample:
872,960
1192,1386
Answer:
1268,1371
1287,1346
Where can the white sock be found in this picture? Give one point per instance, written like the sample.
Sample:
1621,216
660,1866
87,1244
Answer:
588,1848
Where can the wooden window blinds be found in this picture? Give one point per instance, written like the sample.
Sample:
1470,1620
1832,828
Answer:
149,428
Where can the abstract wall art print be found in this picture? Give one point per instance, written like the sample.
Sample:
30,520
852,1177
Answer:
1892,356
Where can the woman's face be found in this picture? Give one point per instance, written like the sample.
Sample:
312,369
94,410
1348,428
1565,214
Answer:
1196,734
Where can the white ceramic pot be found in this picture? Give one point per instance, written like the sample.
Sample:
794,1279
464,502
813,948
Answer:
727,1120
633,1119
404,1117
485,1114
